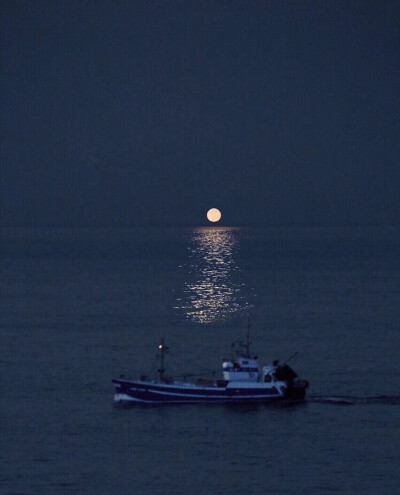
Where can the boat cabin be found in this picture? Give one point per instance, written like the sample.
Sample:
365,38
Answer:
247,369
241,369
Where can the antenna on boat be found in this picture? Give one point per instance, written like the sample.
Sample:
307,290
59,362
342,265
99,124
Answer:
247,345
163,349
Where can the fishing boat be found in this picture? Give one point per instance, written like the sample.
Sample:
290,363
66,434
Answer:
243,382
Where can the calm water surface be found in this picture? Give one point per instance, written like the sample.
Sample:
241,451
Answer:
79,307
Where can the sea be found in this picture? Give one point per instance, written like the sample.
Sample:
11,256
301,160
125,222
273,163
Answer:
80,307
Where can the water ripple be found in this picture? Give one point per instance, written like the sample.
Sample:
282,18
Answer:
213,289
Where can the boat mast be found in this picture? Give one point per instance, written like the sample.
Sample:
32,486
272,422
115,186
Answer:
247,346
163,350
239,344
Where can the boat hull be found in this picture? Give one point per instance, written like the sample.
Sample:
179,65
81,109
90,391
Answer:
182,393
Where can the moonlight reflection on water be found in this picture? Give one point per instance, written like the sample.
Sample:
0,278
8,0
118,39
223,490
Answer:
212,292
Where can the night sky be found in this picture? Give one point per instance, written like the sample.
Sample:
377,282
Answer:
126,113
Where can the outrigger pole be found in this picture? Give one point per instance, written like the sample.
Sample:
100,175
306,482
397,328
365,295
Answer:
292,356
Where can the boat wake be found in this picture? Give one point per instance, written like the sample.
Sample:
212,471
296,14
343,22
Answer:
393,400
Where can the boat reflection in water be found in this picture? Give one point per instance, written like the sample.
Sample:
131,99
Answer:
212,292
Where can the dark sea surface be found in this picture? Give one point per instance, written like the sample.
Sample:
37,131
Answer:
80,307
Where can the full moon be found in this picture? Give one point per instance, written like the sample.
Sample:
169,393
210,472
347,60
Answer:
214,215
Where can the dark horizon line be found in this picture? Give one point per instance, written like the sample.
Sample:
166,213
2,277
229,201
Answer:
200,225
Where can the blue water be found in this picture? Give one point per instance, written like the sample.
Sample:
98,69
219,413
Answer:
79,307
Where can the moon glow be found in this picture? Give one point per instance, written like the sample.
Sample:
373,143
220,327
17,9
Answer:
214,215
